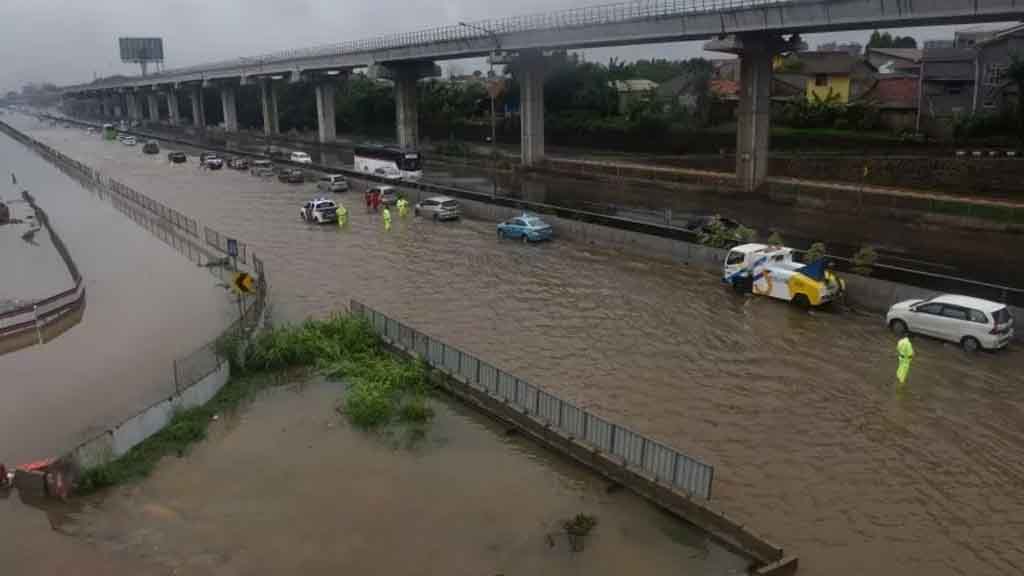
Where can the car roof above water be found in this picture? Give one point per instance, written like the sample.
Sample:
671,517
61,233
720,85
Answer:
969,302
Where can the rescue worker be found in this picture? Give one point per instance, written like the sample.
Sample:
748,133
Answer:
387,219
906,353
403,207
342,215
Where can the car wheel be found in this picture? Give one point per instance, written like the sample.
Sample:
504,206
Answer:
898,327
802,301
526,239
970,344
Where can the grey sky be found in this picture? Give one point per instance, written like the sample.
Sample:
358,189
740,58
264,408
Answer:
68,41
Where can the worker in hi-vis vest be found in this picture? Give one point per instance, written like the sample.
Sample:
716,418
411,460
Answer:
342,215
387,219
403,207
906,353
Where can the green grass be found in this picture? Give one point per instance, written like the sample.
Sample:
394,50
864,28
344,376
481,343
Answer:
383,389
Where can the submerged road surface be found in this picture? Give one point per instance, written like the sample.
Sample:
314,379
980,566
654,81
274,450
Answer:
797,410
145,306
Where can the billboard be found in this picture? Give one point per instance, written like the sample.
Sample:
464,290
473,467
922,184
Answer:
141,49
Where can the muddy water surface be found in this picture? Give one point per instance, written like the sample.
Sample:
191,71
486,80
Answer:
812,445
285,486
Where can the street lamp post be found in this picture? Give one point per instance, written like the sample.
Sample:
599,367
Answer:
492,92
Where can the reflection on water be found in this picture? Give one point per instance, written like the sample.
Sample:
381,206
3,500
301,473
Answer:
285,486
796,410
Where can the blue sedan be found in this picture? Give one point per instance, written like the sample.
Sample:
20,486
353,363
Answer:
528,228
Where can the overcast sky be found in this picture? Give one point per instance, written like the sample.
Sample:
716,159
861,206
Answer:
69,41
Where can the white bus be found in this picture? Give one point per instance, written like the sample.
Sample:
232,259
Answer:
388,162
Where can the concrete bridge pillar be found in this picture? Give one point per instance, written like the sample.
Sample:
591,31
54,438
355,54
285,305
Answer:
107,106
268,98
755,52
754,121
531,112
198,109
227,102
153,102
133,106
173,114
407,107
325,111
118,100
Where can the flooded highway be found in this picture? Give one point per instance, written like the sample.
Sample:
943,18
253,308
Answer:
796,410
273,493
899,241
146,305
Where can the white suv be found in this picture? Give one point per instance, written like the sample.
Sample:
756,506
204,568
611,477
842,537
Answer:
300,158
971,322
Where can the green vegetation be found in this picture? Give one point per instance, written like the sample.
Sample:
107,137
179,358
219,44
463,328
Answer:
717,235
383,389
775,239
577,528
887,40
864,259
817,251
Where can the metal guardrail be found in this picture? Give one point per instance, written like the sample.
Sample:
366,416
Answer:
653,458
614,13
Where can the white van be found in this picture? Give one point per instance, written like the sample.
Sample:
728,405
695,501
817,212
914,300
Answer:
971,322
300,158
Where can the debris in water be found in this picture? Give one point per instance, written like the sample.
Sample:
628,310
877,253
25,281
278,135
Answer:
577,528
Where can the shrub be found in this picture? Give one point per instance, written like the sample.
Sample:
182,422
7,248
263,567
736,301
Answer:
864,260
775,239
717,235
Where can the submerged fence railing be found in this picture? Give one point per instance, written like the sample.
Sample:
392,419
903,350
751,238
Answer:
663,463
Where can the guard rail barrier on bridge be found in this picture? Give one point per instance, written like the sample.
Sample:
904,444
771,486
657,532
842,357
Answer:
657,460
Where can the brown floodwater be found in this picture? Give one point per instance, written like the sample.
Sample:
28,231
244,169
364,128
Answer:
273,493
796,410
146,305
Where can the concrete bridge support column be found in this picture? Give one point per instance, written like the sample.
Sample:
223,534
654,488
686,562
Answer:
107,106
754,117
133,106
227,102
153,102
325,111
407,107
173,114
268,98
531,95
118,105
198,109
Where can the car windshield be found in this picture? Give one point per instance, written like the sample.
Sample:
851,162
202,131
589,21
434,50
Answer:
734,258
449,204
534,222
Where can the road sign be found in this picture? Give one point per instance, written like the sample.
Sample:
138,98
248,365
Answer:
243,283
232,247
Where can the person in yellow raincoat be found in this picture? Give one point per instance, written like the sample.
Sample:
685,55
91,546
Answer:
906,353
403,207
342,215
387,219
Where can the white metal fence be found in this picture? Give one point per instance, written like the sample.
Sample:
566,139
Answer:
655,459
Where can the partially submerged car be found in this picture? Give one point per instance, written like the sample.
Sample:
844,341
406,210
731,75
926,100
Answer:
319,211
176,157
291,176
438,208
527,227
973,323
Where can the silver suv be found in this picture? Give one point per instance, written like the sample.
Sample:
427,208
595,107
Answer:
332,183
438,208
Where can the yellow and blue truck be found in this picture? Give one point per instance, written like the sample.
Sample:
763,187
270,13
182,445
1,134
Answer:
771,271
